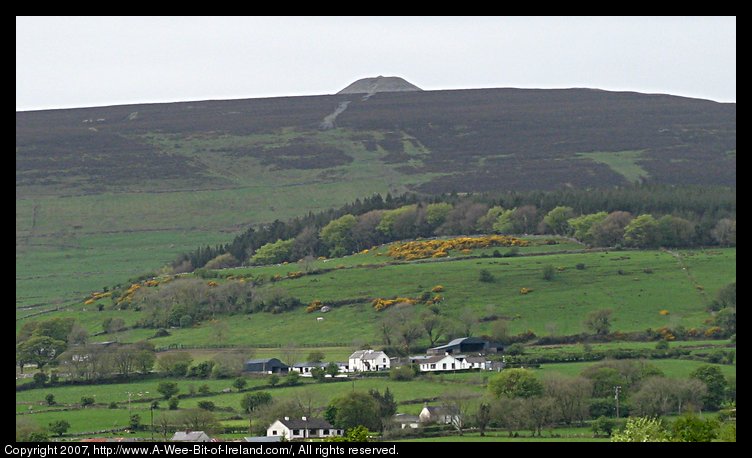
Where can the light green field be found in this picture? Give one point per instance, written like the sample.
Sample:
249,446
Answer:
621,162
673,368
684,286
70,244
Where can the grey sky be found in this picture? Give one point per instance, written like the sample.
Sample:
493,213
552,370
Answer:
66,62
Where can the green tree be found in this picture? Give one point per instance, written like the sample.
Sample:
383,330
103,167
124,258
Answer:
273,380
40,378
50,399
315,356
175,363
642,232
59,427
292,378
332,369
240,383
716,383
39,350
134,422
437,213
87,401
641,429
584,224
252,402
515,383
690,428
599,322
168,389
610,231
387,406
675,231
273,253
557,220
356,409
338,235
356,434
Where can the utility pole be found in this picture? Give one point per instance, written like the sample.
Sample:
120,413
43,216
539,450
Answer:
617,390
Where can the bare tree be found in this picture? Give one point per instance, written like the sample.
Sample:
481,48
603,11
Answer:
457,404
434,326
571,396
290,353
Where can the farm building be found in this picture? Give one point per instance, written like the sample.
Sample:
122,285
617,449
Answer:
467,345
190,436
266,366
368,360
303,428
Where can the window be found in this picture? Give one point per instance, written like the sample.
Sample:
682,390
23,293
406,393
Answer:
274,432
433,366
326,432
443,366
295,432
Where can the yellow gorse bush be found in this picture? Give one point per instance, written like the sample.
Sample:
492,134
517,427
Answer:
437,248
313,306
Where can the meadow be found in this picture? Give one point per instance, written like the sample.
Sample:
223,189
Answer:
636,285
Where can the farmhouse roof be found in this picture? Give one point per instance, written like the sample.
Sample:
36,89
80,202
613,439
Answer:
311,423
366,354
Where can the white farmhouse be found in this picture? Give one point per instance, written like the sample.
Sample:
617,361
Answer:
368,360
302,429
440,363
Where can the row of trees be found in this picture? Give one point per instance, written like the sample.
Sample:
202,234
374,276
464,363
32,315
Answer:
184,302
659,216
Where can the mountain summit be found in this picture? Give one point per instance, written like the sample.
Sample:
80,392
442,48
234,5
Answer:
379,84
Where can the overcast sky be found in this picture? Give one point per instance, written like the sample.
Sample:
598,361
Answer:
64,62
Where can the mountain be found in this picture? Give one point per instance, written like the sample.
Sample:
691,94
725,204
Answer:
379,84
458,140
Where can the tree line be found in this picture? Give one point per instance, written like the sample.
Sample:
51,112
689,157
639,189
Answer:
643,216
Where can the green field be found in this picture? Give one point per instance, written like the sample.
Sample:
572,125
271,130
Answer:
683,283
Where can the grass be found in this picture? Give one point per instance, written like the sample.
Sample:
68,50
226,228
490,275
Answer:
625,163
673,368
636,297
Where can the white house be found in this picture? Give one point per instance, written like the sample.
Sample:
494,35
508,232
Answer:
440,363
368,360
406,421
473,362
301,429
436,414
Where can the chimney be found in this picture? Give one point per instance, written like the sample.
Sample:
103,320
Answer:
287,418
304,418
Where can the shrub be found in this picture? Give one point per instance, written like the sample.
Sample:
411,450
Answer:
401,374
486,276
87,401
580,266
206,405
548,272
172,403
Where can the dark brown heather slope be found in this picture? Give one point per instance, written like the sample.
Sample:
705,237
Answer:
480,139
